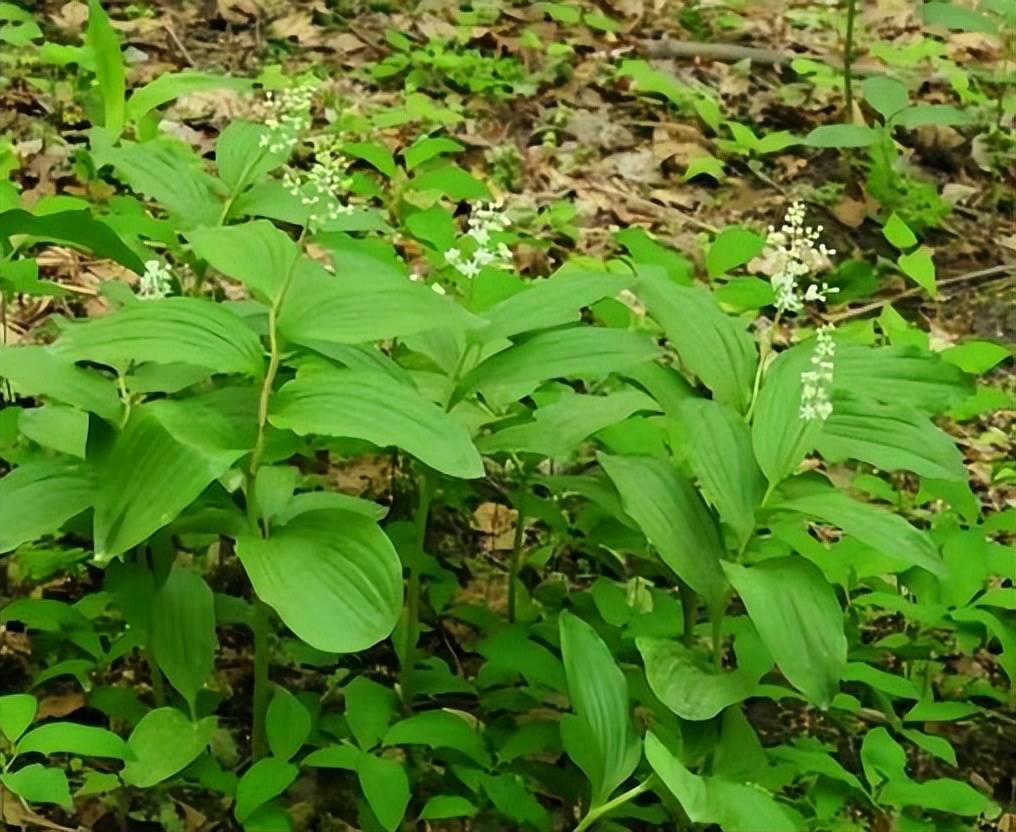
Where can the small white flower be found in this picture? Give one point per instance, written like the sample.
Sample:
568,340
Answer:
816,383
796,253
156,282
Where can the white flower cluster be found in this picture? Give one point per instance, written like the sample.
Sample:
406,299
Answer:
797,253
816,383
319,187
287,115
484,222
156,282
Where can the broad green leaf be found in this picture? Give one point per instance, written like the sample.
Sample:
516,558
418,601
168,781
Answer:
941,795
160,171
426,148
647,251
799,619
733,247
900,374
710,344
898,233
343,756
288,724
582,352
71,738
732,806
513,797
890,437
37,498
333,577
263,781
919,267
167,455
599,736
956,17
242,154
684,684
164,743
719,450
37,371
182,638
452,181
62,429
942,115
17,710
817,762
374,153
557,429
673,518
440,729
109,66
548,303
974,357
167,331
351,309
385,784
273,490
369,710
841,135
373,406
171,85
886,95
37,784
444,806
256,253
79,228
883,530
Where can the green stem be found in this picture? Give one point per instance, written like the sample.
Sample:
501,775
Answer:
516,556
689,605
594,815
716,616
259,624
158,687
420,518
848,61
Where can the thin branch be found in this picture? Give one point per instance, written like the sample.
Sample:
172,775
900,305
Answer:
992,271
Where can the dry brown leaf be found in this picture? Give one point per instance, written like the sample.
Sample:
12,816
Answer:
61,705
72,16
495,520
850,212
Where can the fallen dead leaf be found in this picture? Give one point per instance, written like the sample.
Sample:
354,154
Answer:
60,705
498,521
850,212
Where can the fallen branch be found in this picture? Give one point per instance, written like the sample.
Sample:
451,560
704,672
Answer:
992,271
665,48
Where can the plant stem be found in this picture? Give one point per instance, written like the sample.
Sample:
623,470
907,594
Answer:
420,518
259,738
848,61
688,609
262,613
716,616
516,556
594,815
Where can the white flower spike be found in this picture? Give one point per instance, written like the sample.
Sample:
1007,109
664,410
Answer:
484,221
816,383
797,253
156,282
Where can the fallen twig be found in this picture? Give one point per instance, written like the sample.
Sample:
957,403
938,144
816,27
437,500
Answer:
733,52
991,271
